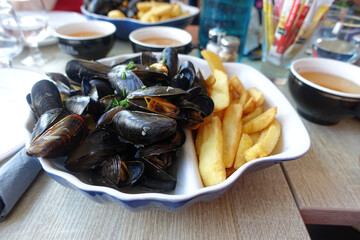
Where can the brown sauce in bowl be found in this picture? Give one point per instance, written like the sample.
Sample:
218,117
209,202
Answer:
161,41
84,34
332,82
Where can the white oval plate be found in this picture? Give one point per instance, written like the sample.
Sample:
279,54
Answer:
15,84
293,144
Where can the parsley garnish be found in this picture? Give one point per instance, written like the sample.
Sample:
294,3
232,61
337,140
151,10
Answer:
130,66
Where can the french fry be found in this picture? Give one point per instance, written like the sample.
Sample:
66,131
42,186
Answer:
253,114
220,91
210,81
244,144
231,128
236,84
152,11
244,97
256,95
260,122
249,106
266,145
144,6
255,136
175,10
213,60
211,166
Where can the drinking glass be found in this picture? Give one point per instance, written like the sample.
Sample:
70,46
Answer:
338,36
33,20
11,41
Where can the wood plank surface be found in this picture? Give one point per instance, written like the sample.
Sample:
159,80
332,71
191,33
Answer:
326,181
258,206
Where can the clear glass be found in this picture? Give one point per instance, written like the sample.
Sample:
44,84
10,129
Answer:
277,55
33,19
11,41
334,38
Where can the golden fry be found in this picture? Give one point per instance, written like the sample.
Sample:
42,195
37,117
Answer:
256,95
255,137
253,114
244,144
236,84
249,106
211,166
213,60
220,91
266,144
232,128
260,122
175,10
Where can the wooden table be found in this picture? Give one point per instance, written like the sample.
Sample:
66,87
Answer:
259,206
326,181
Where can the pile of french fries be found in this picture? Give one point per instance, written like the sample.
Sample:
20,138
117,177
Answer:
238,131
158,11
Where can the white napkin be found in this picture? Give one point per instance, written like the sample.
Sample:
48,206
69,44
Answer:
15,177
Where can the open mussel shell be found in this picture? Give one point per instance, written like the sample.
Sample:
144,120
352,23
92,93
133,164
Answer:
155,180
158,91
170,55
96,88
45,96
141,128
119,172
47,120
149,76
59,140
168,145
98,145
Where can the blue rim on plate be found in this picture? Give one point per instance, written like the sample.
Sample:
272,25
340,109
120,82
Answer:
126,25
294,143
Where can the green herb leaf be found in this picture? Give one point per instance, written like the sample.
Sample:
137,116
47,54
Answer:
130,66
163,60
143,87
123,75
124,92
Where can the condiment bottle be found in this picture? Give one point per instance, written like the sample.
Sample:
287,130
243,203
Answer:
215,35
229,49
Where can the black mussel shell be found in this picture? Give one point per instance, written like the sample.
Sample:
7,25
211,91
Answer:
124,81
59,140
171,61
45,96
47,120
141,128
79,69
98,145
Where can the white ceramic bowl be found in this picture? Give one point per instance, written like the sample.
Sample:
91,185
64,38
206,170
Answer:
178,34
124,26
293,144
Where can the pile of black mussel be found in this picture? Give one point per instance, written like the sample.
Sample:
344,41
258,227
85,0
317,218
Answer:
121,124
